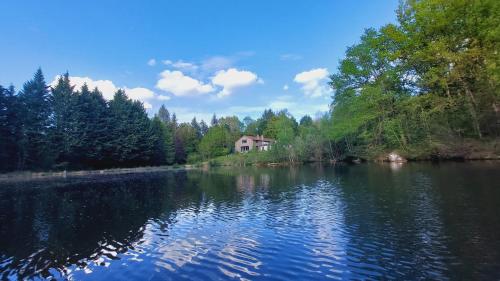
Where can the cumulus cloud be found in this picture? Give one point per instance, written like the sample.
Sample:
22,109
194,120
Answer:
139,93
180,84
285,87
151,62
108,89
313,82
231,79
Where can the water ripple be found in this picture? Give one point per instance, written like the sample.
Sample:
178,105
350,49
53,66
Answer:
361,223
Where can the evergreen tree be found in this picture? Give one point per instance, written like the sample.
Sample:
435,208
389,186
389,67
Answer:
99,124
186,134
63,117
306,120
132,140
174,122
169,133
180,152
169,145
160,149
214,121
197,128
91,123
10,129
203,127
34,144
163,114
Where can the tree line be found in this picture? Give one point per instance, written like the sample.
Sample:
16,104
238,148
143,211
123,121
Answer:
61,127
427,82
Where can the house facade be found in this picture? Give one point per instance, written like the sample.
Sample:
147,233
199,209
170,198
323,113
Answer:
247,143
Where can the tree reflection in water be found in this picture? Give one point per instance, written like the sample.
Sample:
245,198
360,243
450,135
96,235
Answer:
356,222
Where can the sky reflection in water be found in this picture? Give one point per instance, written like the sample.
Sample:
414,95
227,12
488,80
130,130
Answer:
313,222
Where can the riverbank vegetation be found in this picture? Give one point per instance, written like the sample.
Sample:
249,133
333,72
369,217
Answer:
426,87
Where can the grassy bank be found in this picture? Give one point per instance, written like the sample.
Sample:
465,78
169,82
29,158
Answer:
470,149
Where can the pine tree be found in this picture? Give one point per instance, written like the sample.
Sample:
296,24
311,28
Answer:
196,128
132,140
170,124
91,124
163,114
99,126
63,115
180,152
214,121
34,144
10,129
159,131
169,145
174,121
203,127
4,130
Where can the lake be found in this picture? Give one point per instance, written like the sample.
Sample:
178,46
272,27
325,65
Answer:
368,221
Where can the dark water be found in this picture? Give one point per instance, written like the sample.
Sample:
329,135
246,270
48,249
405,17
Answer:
419,221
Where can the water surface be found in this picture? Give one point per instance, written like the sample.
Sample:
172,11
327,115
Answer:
416,221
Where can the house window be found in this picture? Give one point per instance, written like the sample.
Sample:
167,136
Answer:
245,148
243,141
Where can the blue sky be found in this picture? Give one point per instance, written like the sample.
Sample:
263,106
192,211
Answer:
196,57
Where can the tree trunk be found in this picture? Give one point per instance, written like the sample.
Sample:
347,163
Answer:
473,110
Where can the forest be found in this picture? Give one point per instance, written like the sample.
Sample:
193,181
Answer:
426,87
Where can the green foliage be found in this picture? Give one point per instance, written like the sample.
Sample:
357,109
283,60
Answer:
430,78
429,81
281,127
216,142
131,134
10,129
36,108
163,114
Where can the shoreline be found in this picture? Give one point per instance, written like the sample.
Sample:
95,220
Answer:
355,161
26,176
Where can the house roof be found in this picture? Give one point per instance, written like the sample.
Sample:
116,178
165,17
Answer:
257,138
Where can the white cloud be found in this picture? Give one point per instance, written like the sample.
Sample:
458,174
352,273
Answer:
233,78
313,82
108,89
163,97
285,87
179,84
151,62
139,93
